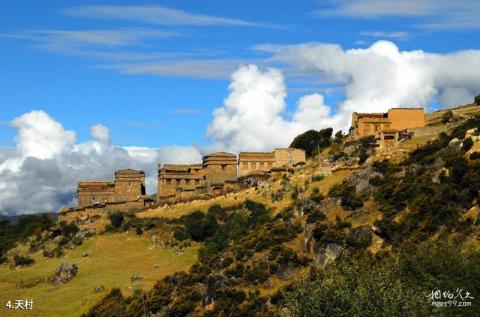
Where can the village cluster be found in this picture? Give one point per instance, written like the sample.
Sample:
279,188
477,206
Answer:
223,172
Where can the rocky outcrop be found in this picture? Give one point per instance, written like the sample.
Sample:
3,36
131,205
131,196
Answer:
331,252
65,273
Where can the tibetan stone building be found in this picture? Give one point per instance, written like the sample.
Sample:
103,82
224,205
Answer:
176,179
396,119
260,162
129,185
216,174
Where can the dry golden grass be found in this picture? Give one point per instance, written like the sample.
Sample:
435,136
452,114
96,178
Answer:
112,260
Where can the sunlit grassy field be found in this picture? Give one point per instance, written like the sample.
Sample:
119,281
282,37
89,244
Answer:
112,260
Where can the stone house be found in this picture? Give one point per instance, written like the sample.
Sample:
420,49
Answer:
260,162
399,119
129,185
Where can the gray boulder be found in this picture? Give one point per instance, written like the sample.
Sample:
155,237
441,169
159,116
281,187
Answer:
136,277
98,289
48,253
331,253
65,273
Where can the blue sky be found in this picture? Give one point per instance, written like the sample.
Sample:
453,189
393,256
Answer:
69,58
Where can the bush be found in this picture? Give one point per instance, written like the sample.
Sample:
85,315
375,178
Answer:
363,156
447,116
180,234
312,141
477,100
467,144
475,156
22,260
116,219
200,226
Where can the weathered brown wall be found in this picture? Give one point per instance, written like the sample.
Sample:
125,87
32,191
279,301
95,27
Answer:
406,118
288,157
129,185
249,162
173,179
219,168
90,193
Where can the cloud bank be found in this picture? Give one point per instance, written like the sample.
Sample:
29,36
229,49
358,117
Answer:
41,174
374,79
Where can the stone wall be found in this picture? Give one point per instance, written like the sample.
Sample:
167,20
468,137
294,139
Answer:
406,118
219,168
174,178
286,157
254,162
129,185
98,192
372,124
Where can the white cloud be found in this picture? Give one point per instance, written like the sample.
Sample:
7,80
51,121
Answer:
42,172
434,14
41,137
381,76
252,118
100,133
196,68
155,14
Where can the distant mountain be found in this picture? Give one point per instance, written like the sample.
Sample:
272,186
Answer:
14,219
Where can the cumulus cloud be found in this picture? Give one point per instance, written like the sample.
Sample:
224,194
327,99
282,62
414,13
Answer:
41,173
374,79
252,118
381,76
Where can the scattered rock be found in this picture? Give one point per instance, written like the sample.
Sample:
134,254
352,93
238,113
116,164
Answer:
284,271
48,253
65,273
58,239
136,277
13,252
84,254
98,289
156,266
455,142
155,239
330,254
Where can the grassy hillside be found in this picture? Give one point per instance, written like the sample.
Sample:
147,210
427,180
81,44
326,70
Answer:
112,260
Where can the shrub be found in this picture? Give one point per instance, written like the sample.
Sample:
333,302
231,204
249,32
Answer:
363,156
447,116
312,141
22,260
467,144
475,156
200,226
181,234
316,216
116,219
138,230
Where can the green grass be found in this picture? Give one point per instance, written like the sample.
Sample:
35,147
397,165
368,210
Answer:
112,260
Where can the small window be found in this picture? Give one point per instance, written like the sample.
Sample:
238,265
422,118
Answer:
224,167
